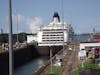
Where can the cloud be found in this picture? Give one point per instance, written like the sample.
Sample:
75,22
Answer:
28,23
34,23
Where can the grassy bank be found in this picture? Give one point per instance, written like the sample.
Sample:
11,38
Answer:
55,70
86,66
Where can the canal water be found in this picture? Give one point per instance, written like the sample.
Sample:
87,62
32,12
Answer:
35,64
32,66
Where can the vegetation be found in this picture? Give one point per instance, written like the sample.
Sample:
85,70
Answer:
21,37
87,66
76,71
56,70
3,38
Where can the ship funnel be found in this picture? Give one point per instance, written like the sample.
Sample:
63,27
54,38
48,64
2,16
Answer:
56,17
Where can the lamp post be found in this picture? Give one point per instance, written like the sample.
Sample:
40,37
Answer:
51,58
10,40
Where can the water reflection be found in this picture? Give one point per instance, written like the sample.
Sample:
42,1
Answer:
31,67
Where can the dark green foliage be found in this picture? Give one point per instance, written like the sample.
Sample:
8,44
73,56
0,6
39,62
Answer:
21,37
3,38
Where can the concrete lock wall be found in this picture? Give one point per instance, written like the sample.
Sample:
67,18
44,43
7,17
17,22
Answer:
21,56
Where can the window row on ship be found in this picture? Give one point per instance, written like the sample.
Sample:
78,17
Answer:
52,32
51,40
52,37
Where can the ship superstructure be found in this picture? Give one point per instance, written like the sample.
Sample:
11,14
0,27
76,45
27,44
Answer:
57,33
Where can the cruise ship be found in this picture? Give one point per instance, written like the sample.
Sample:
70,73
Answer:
54,36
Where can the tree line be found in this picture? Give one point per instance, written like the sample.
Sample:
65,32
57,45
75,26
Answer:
20,37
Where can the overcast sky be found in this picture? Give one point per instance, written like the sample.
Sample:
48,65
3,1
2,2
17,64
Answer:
29,15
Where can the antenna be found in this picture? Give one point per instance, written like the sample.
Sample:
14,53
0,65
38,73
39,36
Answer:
93,30
62,9
1,31
62,22
17,28
93,34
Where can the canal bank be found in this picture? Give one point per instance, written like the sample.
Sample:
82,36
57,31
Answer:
21,56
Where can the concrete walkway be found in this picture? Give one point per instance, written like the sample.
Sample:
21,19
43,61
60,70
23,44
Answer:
70,62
